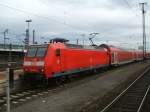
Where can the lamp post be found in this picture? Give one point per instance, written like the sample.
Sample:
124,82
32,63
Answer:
27,40
28,21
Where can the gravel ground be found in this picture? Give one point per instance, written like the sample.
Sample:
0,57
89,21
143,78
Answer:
78,97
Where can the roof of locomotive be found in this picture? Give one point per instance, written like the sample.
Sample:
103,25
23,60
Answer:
81,46
67,45
90,47
39,45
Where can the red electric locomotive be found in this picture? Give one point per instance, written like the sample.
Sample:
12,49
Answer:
57,59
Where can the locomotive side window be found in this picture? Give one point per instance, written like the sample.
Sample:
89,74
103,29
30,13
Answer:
32,52
41,51
57,52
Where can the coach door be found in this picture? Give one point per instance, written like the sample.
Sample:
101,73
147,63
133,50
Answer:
114,58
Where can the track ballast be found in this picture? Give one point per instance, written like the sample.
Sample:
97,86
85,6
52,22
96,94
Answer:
134,98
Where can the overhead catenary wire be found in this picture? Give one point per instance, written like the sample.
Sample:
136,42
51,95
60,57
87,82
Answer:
47,18
131,8
13,35
42,17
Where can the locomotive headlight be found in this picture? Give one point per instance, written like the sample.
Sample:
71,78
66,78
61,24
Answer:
42,70
27,63
40,63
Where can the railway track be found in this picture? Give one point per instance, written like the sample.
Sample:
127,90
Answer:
136,98
27,94
146,106
22,96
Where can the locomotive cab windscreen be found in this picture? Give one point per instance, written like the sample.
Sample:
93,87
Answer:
34,59
38,51
31,52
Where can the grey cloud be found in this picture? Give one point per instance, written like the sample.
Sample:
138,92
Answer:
113,19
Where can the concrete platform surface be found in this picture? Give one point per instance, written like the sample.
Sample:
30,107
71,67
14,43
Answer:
73,99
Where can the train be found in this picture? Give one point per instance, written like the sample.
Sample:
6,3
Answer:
58,58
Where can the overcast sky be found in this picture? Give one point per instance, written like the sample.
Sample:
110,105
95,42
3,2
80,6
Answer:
115,21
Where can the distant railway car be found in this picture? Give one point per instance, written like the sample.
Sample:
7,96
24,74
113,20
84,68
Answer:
120,56
139,55
147,55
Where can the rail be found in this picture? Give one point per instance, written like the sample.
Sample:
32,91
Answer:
110,105
144,98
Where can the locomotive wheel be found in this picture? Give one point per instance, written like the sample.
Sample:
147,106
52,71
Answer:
61,80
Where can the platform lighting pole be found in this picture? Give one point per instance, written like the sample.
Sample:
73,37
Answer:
8,89
8,79
144,33
28,33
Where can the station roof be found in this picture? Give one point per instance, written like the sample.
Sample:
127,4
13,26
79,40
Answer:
15,48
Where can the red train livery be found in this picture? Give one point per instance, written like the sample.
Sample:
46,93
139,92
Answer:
58,59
